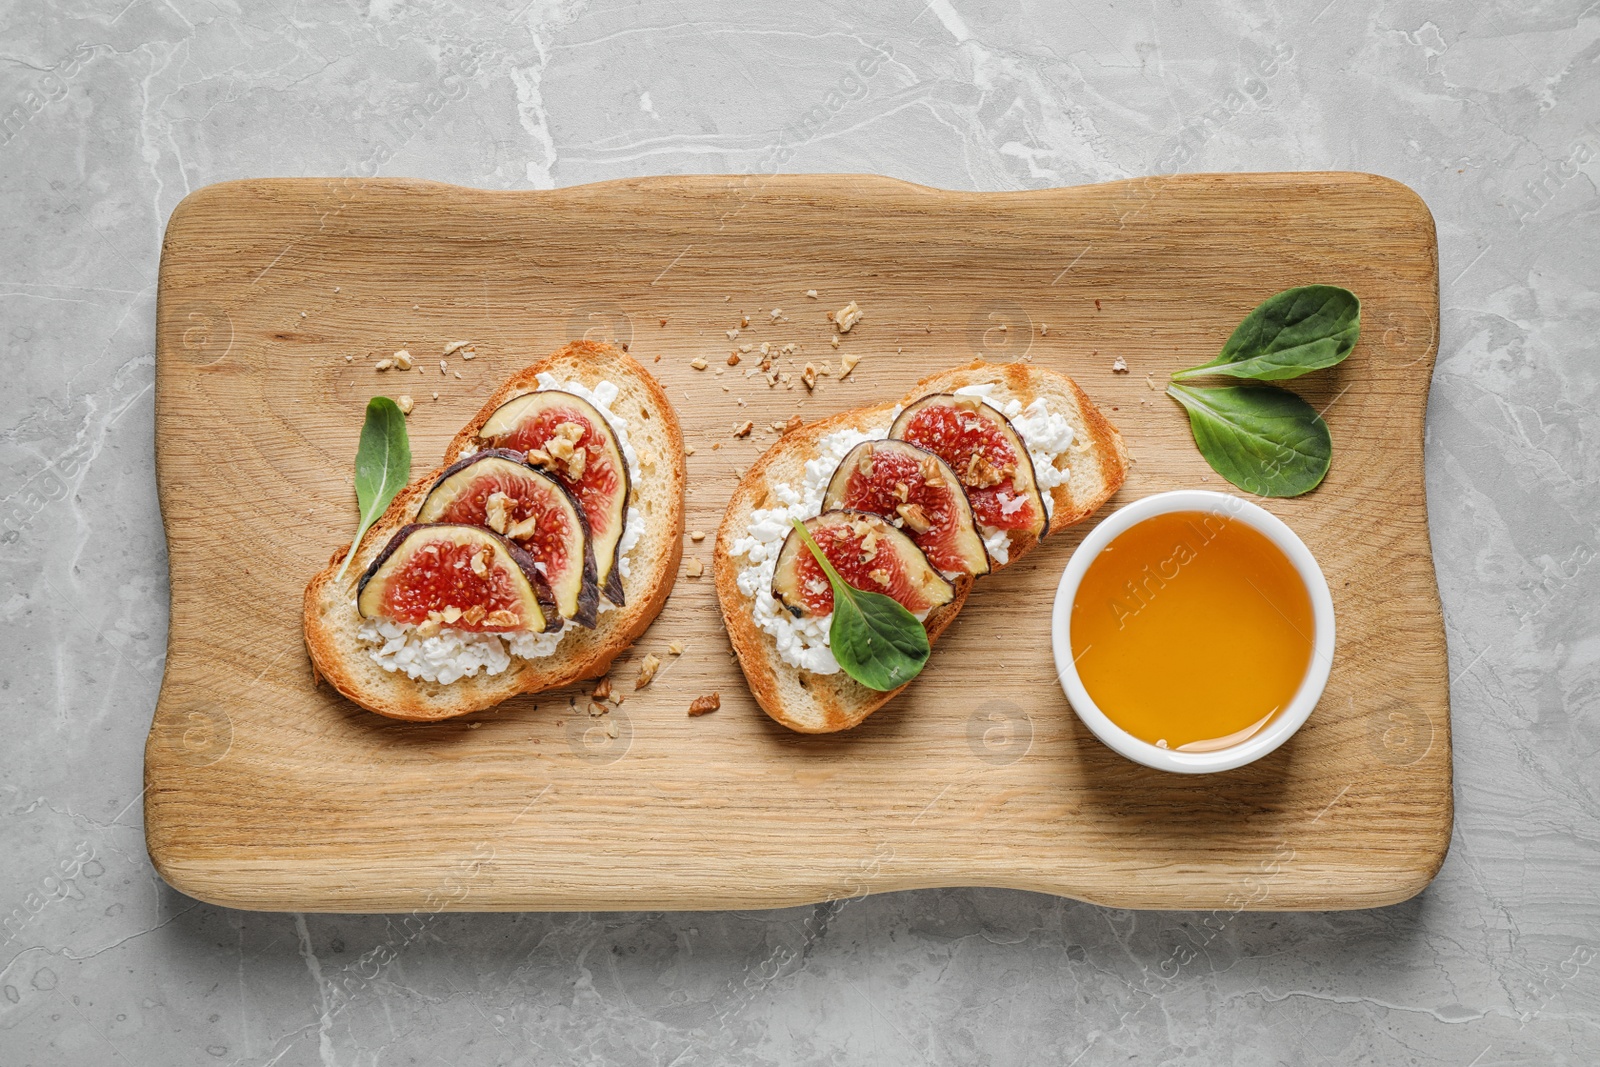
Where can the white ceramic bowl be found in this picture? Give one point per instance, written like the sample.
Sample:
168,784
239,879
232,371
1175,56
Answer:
1281,728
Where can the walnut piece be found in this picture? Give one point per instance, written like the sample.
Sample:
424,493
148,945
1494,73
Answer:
981,474
915,518
694,568
705,705
847,316
497,512
405,403
563,446
647,670
502,619
402,359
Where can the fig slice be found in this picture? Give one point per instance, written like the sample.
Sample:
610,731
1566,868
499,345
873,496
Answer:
919,494
456,575
868,553
568,437
987,454
495,488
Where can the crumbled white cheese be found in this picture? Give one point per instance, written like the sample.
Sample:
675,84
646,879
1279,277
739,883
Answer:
803,642
451,654
998,543
456,653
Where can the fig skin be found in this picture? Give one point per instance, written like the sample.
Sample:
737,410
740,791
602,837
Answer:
525,564
936,587
500,424
587,609
1041,525
975,557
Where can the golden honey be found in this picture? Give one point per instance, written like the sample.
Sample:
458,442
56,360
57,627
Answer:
1191,630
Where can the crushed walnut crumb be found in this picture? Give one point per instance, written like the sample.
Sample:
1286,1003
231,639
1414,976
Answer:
402,359
1119,366
676,648
383,364
733,359
847,316
811,293
602,689
454,346
744,428
847,363
497,511
405,403
694,568
647,670
704,705
697,363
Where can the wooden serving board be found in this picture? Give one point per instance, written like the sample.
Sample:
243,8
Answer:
278,296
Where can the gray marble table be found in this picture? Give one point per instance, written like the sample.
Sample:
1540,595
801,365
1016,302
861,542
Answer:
109,114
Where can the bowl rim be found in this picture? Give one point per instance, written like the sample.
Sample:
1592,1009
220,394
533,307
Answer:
1322,646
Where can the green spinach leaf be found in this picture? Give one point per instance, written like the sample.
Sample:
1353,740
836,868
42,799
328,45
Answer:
1263,439
876,640
383,466
1287,335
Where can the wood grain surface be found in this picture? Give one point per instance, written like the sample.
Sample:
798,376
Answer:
277,297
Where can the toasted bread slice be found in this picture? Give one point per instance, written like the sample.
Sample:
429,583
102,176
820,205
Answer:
824,703
331,620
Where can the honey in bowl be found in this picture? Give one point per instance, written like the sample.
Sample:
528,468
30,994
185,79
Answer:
1191,630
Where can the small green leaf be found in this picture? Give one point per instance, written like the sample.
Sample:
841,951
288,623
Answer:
875,639
383,466
1287,335
1263,439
